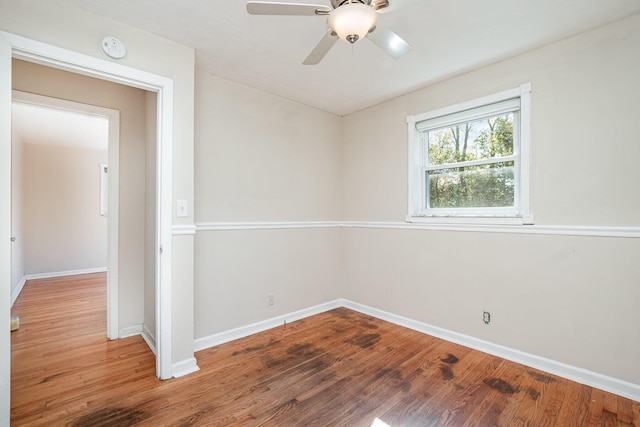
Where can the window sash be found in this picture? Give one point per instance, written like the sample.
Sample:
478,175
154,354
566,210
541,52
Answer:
516,100
479,208
474,114
488,161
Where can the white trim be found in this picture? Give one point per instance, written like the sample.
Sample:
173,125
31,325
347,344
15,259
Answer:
148,337
568,230
16,292
164,238
130,331
254,328
143,331
467,220
580,375
64,273
223,226
525,154
49,55
185,367
180,230
5,227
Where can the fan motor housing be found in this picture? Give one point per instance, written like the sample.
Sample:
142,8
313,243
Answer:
376,4
337,3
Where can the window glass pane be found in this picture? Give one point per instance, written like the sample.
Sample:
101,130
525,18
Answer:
471,187
486,138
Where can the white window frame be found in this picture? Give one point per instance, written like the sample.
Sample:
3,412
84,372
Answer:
467,111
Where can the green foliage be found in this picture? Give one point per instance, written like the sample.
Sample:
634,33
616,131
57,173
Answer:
485,185
497,140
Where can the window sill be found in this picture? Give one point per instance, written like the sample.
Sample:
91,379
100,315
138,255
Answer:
471,220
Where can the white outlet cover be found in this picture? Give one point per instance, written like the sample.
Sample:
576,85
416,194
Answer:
113,47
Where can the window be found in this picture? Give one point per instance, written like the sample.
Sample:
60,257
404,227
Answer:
104,189
469,163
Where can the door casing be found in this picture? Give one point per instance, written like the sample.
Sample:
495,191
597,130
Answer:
14,46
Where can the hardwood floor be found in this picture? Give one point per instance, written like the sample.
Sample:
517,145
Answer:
339,368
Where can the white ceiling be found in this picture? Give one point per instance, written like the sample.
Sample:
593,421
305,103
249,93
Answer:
449,37
37,124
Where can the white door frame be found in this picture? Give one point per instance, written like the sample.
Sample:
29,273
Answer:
5,230
113,184
33,51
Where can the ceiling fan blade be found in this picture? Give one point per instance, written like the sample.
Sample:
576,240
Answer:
384,6
391,43
291,9
324,45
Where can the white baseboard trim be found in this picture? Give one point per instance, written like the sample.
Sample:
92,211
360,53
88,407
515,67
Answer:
65,273
149,338
16,292
254,328
184,367
130,331
582,376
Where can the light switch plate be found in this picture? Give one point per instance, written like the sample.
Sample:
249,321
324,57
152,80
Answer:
182,208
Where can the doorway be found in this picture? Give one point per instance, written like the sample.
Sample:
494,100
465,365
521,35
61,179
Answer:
12,46
65,234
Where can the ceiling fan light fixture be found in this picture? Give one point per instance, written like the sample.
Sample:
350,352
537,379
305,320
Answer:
352,21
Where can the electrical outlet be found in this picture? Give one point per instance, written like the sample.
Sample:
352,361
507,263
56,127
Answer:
486,317
271,299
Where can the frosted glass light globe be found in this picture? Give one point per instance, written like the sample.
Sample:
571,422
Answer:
352,21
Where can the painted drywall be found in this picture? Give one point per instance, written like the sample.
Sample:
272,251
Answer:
571,299
262,158
237,270
29,77
17,224
63,228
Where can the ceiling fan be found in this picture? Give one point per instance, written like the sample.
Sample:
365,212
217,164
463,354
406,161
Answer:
349,20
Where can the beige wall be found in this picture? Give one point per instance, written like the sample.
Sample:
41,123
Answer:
263,158
571,299
63,228
236,270
130,102
584,92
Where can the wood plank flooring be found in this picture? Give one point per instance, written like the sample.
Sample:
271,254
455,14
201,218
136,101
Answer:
339,368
